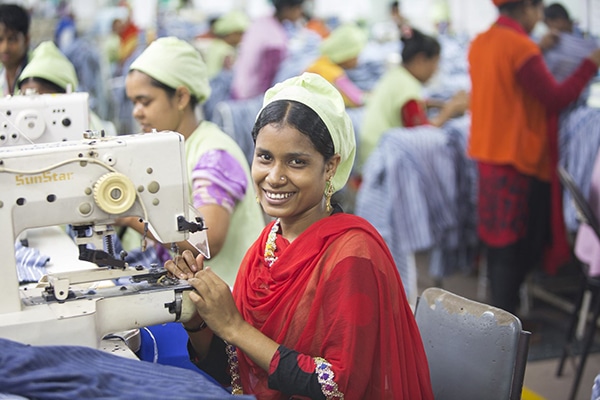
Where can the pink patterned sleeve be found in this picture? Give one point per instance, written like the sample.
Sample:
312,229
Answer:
218,178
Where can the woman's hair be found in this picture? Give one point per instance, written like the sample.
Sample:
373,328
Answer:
556,11
298,116
49,85
513,5
416,42
170,91
15,18
281,4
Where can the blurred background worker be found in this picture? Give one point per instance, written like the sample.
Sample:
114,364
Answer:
340,51
14,44
50,71
220,52
263,49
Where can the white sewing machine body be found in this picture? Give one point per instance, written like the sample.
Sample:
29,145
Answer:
92,182
43,118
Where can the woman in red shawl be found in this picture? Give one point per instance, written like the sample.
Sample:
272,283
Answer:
318,309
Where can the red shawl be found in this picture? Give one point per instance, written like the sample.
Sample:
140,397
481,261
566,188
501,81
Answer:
335,293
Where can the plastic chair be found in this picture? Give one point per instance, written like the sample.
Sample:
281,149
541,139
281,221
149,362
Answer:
474,350
590,284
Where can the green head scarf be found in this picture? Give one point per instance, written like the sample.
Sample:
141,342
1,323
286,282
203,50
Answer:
47,62
344,43
323,98
234,21
175,62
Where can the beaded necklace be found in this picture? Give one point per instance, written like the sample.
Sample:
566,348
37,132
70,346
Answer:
234,366
270,246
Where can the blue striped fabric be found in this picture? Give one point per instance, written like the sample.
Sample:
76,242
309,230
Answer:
236,118
418,190
31,263
89,64
596,388
568,53
367,73
565,57
73,372
302,51
579,141
452,74
219,91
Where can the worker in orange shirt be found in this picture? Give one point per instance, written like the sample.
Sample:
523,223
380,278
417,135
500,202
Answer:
515,102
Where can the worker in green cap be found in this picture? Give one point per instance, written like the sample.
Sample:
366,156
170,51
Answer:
339,52
221,50
50,71
166,84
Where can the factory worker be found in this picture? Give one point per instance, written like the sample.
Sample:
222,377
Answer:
50,71
166,83
221,50
339,52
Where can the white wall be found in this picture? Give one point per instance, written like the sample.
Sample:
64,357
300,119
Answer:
472,16
589,15
216,7
345,10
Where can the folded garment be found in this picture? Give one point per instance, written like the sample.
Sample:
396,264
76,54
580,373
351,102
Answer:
568,53
31,263
596,388
74,372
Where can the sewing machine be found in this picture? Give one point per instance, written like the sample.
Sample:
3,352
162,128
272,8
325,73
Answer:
89,183
43,118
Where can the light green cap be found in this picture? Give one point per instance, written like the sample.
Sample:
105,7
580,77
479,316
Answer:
47,62
234,21
323,98
175,63
344,42
441,11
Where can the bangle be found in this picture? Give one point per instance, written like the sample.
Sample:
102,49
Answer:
197,329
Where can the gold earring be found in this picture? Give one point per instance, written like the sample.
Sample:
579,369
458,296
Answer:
328,193
257,200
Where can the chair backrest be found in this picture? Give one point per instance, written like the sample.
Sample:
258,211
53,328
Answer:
474,350
585,214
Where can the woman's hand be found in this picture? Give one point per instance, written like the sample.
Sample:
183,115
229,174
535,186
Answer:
549,40
185,265
128,221
214,302
458,104
595,56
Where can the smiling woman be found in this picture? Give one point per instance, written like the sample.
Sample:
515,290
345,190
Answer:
318,308
290,171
